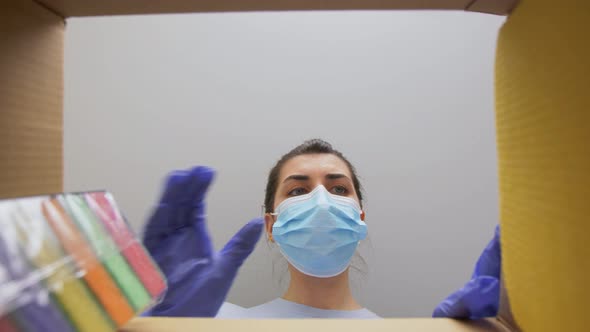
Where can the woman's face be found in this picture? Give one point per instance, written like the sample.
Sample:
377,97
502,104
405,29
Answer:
301,174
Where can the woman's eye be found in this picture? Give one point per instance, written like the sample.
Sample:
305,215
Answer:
339,190
297,192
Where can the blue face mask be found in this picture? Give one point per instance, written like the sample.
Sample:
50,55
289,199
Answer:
318,232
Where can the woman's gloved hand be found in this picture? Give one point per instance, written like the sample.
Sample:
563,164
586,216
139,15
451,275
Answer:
480,297
176,236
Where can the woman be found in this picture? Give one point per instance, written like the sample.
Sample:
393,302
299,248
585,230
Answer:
312,211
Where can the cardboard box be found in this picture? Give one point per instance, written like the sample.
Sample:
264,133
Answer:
543,130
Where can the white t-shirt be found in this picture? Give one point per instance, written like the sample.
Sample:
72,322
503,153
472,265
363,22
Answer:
280,308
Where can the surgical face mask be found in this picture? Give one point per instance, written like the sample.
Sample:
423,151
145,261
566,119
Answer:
318,233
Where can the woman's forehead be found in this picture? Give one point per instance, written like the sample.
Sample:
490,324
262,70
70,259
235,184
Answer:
312,165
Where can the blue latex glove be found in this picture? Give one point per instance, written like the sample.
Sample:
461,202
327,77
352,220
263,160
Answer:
480,297
177,238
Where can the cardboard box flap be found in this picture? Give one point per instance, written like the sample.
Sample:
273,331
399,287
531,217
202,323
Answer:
31,99
498,7
505,315
159,324
70,8
543,135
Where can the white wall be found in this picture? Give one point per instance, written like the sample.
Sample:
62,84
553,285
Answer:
407,96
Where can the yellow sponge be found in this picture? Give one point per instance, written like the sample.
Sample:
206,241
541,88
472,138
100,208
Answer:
543,131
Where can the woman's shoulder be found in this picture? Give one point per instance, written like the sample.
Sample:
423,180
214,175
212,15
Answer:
271,309
230,310
280,308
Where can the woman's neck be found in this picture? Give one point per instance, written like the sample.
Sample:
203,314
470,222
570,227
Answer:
322,293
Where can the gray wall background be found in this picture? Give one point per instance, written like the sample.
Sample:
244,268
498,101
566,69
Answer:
407,96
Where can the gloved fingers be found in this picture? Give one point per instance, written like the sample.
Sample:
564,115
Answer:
174,187
452,307
202,246
199,181
176,249
159,226
181,203
479,298
490,261
175,236
241,245
187,186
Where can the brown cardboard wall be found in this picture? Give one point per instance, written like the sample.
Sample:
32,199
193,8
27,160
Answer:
499,7
160,324
68,8
31,94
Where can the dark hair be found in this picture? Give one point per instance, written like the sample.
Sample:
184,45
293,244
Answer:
311,146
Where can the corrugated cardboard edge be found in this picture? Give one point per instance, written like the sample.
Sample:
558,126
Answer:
505,316
160,324
71,8
31,99
497,7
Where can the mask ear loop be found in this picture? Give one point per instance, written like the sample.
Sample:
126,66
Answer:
263,212
273,214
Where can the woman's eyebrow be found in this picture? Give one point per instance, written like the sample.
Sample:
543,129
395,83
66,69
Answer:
334,176
301,177
296,177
